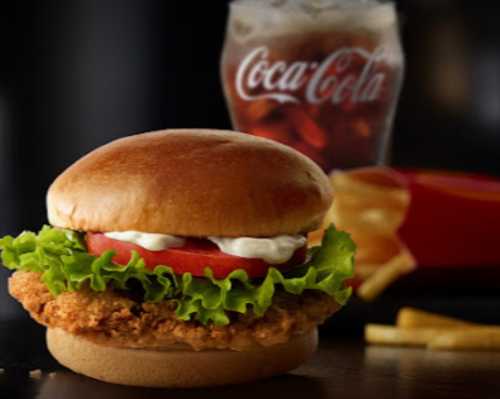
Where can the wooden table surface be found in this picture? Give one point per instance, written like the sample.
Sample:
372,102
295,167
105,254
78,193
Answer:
343,368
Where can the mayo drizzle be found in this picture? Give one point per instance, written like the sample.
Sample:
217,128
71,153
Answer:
151,241
275,250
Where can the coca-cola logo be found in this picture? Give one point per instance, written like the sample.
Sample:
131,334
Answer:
281,80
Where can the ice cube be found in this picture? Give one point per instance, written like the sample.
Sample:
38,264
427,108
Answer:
305,4
263,18
316,6
278,3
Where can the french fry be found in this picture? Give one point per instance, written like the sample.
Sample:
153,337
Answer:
414,318
363,271
481,337
371,205
390,335
364,185
385,276
356,194
487,339
365,215
418,328
375,249
314,238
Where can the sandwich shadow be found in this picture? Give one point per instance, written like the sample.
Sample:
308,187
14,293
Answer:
65,385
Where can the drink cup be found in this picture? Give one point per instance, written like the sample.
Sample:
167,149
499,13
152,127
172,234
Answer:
321,76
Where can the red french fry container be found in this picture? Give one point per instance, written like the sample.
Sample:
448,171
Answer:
453,219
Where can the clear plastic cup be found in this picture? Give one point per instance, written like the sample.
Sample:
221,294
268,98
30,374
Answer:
323,76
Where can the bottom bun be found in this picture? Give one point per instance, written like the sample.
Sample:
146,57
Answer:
177,368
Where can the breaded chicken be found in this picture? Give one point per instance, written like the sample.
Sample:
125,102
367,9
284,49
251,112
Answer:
112,318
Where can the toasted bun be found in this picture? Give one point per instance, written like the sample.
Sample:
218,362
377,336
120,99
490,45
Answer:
177,368
191,183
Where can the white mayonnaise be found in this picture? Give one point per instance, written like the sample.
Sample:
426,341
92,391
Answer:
151,241
275,250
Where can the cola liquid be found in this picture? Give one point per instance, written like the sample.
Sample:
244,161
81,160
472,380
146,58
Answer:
321,76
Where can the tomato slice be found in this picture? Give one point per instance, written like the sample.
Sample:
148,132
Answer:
193,257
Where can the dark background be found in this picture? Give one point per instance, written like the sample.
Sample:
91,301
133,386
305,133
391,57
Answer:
76,74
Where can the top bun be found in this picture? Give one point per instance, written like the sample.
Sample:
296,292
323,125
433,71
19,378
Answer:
191,182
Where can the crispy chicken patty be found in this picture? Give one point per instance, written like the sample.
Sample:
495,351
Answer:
113,319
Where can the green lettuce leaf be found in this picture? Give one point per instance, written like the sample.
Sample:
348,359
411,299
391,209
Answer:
62,259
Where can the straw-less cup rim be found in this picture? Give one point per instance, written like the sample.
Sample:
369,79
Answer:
340,7
268,20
